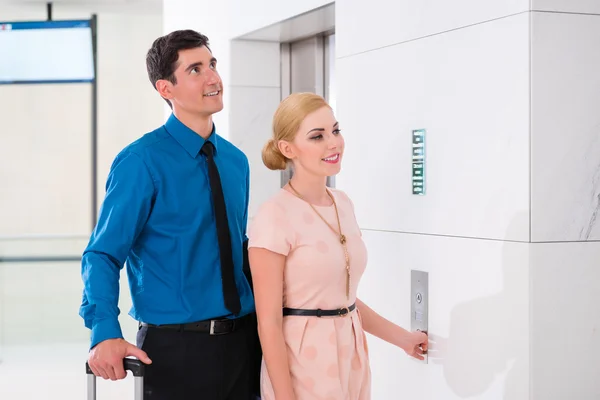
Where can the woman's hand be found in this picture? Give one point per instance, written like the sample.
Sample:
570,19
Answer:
413,343
416,344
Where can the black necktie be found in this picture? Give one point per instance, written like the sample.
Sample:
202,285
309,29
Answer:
230,293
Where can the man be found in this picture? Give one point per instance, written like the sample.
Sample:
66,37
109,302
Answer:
176,211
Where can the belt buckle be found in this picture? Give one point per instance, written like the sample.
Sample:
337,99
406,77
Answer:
212,328
342,313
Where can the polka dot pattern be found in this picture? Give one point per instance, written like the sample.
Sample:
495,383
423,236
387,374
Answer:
322,247
327,356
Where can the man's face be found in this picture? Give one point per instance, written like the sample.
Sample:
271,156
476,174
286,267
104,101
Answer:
199,89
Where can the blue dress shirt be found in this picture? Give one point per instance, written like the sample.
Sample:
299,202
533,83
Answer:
158,217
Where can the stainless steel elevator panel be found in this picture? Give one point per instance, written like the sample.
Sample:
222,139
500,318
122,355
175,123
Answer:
419,302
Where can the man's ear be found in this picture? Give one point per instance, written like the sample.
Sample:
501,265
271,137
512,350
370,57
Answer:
286,149
164,88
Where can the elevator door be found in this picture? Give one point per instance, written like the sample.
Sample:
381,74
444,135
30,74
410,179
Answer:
308,65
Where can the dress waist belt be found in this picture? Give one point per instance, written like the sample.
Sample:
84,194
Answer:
340,312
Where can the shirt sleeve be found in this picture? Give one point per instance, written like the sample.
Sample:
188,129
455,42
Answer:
247,204
124,212
245,260
270,230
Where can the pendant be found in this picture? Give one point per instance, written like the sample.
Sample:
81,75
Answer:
342,239
347,282
348,286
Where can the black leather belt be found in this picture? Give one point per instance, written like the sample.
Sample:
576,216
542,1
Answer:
340,312
210,326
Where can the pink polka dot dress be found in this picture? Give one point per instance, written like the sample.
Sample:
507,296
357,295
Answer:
328,356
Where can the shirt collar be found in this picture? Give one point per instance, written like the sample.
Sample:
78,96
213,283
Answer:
187,138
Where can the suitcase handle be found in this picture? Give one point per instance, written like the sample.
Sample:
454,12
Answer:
130,364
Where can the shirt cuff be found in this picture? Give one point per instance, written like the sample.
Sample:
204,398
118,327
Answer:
105,329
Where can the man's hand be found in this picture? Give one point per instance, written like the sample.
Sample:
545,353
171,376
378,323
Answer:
106,358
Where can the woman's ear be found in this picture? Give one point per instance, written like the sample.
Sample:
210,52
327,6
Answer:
287,149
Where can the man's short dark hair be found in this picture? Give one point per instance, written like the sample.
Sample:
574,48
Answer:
161,60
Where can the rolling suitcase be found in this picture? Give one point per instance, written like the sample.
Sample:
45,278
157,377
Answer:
135,366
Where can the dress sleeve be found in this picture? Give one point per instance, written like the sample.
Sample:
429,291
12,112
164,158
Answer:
271,230
351,206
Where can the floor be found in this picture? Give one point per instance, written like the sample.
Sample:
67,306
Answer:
54,372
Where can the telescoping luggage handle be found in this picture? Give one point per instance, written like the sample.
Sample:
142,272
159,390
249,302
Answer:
135,366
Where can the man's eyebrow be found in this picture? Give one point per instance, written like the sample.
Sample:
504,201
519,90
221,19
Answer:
194,65
199,64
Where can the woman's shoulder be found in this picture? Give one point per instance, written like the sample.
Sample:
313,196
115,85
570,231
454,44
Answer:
340,195
276,204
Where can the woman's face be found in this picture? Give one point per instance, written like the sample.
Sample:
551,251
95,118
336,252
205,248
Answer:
318,146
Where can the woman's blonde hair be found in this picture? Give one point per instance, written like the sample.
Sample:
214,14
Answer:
286,122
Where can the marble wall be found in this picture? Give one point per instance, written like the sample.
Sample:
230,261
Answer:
565,127
507,229
469,89
565,200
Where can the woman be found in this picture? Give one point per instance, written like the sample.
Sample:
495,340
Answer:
307,257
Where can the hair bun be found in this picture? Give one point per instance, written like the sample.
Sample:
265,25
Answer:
272,157
286,122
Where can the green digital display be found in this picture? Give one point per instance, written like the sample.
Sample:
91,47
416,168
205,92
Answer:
418,162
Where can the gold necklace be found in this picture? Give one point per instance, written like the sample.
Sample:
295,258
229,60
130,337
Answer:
342,237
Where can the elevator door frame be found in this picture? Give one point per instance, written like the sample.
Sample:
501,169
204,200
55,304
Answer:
316,52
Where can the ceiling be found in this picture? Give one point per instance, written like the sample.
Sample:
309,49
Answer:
84,2
311,23
126,6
